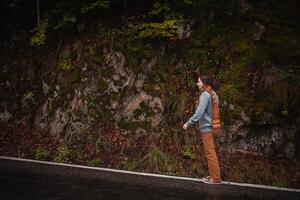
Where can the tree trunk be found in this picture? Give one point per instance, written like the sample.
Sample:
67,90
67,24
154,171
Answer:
125,6
38,12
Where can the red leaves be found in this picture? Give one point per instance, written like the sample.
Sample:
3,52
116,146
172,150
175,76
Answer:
21,141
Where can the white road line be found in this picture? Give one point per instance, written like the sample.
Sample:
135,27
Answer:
149,174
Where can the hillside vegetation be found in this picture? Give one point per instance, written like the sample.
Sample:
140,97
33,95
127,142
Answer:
110,83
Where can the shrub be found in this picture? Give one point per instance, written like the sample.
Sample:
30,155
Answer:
62,154
41,153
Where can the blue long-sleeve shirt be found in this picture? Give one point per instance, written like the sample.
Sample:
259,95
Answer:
203,113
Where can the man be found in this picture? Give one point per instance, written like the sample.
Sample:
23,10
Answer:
203,114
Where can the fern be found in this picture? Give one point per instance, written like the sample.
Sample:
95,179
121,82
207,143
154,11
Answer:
40,36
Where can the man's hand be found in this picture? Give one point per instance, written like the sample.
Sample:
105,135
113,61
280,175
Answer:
185,127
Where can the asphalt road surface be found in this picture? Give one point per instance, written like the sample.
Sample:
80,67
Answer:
20,185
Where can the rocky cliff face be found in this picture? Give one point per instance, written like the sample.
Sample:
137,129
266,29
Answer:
268,140
106,92
93,84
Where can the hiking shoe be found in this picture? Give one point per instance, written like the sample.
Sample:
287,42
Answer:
205,178
210,181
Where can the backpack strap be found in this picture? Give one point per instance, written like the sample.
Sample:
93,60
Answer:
216,122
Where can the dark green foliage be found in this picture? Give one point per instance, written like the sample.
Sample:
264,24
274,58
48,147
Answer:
127,125
41,154
40,36
155,161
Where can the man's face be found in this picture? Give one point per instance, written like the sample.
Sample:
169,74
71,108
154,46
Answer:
199,84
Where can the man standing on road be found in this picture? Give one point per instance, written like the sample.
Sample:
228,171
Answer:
203,114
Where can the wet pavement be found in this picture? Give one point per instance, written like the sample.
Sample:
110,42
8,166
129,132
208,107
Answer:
40,180
20,185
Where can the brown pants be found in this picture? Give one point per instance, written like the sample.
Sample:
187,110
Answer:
211,156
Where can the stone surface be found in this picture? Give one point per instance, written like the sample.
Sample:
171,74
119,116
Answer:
262,140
